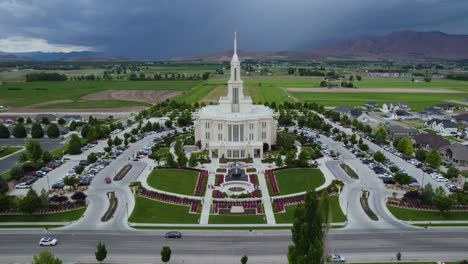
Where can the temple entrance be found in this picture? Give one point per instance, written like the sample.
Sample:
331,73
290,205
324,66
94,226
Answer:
214,153
257,153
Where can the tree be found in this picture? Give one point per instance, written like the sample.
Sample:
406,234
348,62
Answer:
101,252
303,158
402,178
53,131
443,203
125,142
45,257
73,126
433,159
452,172
74,146
244,259
168,123
405,146
381,135
79,169
79,196
4,132
30,202
19,131
279,161
46,156
290,160
3,186
170,161
117,141
17,172
70,181
307,232
20,120
85,131
166,254
109,142
37,131
193,161
34,151
61,121
427,193
92,158
181,159
379,156
420,155
28,120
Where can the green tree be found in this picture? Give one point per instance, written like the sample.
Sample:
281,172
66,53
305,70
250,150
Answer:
427,193
70,181
166,254
73,126
45,257
420,155
443,203
303,159
19,131
17,172
101,252
379,156
193,161
290,159
28,120
244,259
181,159
381,135
30,202
74,146
433,159
168,123
34,151
452,172
405,146
307,232
4,132
117,141
79,169
125,142
170,160
3,186
61,121
37,131
85,131
109,142
92,158
402,178
279,161
53,131
46,156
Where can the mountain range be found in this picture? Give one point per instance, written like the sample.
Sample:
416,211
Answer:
402,45
81,56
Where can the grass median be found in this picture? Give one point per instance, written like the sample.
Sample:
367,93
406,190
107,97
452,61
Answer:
424,215
52,217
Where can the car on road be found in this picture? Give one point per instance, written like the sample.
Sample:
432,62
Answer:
335,258
48,241
173,234
23,185
108,180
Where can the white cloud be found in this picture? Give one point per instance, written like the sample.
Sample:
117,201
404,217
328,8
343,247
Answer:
24,44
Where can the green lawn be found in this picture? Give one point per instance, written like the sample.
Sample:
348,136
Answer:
18,94
6,175
420,215
298,180
55,217
267,93
196,94
237,219
417,101
174,180
337,214
5,151
150,211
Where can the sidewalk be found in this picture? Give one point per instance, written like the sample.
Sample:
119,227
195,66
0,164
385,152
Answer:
207,200
270,216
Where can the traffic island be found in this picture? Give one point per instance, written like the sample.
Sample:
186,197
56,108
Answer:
365,205
112,207
119,176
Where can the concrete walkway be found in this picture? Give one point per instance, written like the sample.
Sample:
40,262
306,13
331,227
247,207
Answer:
270,216
207,200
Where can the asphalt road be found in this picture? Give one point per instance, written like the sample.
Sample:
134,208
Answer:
143,246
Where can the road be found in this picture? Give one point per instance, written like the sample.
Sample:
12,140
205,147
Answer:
142,246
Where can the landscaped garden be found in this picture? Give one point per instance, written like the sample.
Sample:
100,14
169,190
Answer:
407,214
337,214
151,211
174,180
298,180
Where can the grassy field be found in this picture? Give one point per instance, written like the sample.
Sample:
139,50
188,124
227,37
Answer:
86,104
8,150
420,215
237,219
214,94
262,94
150,211
173,180
417,101
337,214
196,94
24,94
298,180
55,217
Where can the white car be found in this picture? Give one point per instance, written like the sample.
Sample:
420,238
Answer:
48,241
414,184
441,179
337,258
23,185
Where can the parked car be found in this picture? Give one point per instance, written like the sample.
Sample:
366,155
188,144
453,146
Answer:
48,241
84,163
23,185
173,234
58,185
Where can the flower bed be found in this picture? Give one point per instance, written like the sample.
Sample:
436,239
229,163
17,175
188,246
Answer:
246,204
201,182
112,207
171,199
64,207
398,203
282,202
219,179
272,182
253,178
121,174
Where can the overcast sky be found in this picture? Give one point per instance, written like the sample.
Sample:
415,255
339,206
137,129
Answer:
158,29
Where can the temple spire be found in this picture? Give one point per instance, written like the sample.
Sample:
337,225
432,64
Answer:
235,42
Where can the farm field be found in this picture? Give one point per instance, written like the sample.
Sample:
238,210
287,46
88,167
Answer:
23,94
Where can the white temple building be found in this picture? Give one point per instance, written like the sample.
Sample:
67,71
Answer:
235,128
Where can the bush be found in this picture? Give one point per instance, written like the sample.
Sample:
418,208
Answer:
53,131
78,196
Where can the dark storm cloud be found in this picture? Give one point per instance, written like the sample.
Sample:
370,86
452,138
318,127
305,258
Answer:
168,28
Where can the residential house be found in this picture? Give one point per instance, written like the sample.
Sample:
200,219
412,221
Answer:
7,119
50,117
395,132
71,118
387,107
401,115
371,106
429,113
430,141
352,113
443,126
445,107
455,154
463,118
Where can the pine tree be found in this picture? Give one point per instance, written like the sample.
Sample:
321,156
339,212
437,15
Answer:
166,254
101,252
